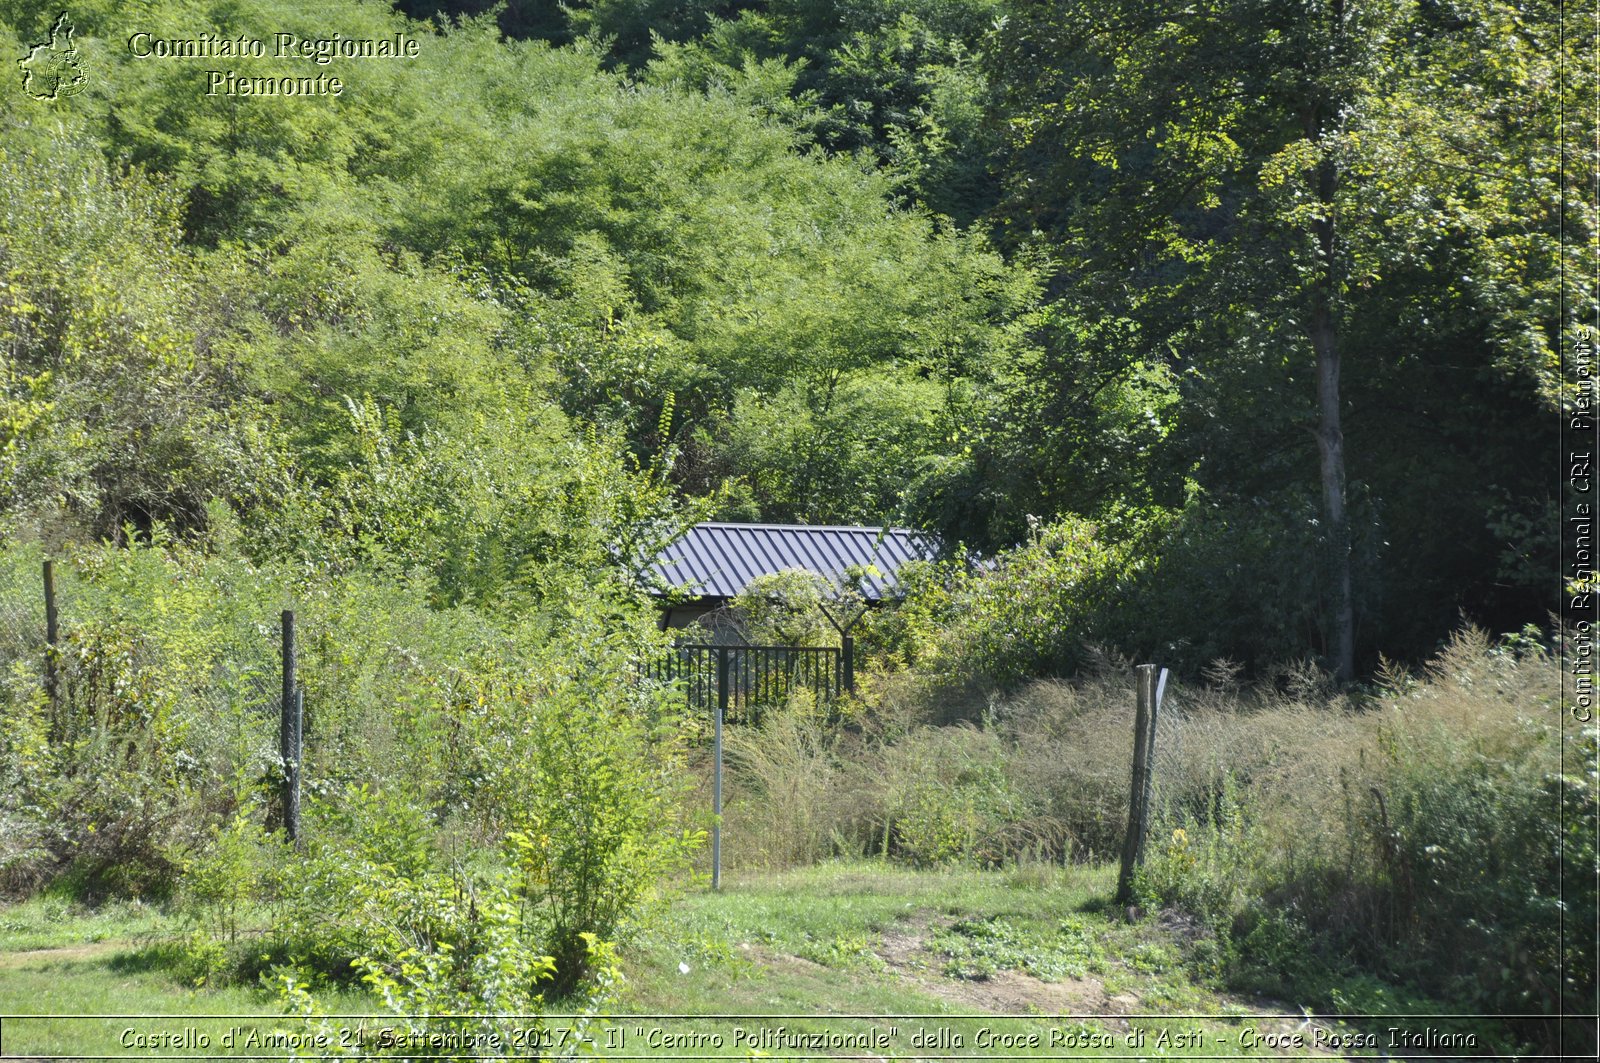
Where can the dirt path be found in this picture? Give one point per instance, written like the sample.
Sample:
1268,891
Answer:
905,950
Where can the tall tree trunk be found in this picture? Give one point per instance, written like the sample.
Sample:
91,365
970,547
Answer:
1330,436
1330,448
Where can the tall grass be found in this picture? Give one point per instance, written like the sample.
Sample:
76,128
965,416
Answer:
791,803
802,790
1435,830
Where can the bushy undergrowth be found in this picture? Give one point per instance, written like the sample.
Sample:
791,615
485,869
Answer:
800,790
490,802
1438,837
113,780
1431,831
1026,614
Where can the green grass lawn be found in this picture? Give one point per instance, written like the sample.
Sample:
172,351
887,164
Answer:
59,961
1021,954
937,964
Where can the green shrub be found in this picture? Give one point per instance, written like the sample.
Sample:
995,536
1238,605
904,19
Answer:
1031,614
787,609
589,797
102,783
948,799
1421,838
223,882
572,793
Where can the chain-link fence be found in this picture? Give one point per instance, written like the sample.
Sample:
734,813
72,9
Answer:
118,722
22,622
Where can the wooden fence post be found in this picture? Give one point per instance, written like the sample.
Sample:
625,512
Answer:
716,776
290,739
1139,790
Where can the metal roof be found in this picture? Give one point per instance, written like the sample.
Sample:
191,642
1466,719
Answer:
716,560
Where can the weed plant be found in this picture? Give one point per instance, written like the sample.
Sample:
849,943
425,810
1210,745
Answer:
1433,831
490,801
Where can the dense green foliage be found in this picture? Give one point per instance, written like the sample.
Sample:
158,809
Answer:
756,250
1219,333
450,754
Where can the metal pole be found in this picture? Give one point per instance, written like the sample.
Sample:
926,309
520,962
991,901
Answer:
51,633
289,732
1133,843
716,777
849,663
297,742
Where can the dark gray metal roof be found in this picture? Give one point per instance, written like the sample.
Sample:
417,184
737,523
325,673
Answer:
719,560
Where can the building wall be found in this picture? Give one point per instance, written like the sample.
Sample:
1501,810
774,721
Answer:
680,616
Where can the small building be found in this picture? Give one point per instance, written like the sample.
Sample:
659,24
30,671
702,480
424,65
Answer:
714,561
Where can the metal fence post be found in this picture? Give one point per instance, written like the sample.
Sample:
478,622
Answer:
289,728
51,633
1158,687
849,649
716,777
1138,794
296,763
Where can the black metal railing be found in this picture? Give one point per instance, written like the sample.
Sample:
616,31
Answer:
754,676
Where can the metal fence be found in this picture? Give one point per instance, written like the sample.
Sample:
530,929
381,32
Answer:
753,676
731,684
99,676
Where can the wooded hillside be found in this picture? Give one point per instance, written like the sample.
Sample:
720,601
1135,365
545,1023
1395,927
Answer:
1269,294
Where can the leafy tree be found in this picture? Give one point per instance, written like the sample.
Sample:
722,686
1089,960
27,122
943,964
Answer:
1074,422
900,83
795,607
1033,612
1250,183
116,401
631,26
495,223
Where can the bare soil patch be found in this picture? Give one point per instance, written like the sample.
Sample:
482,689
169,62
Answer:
905,950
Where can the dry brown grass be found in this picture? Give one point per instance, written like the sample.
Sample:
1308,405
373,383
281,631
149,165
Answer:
1310,761
786,791
1407,826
